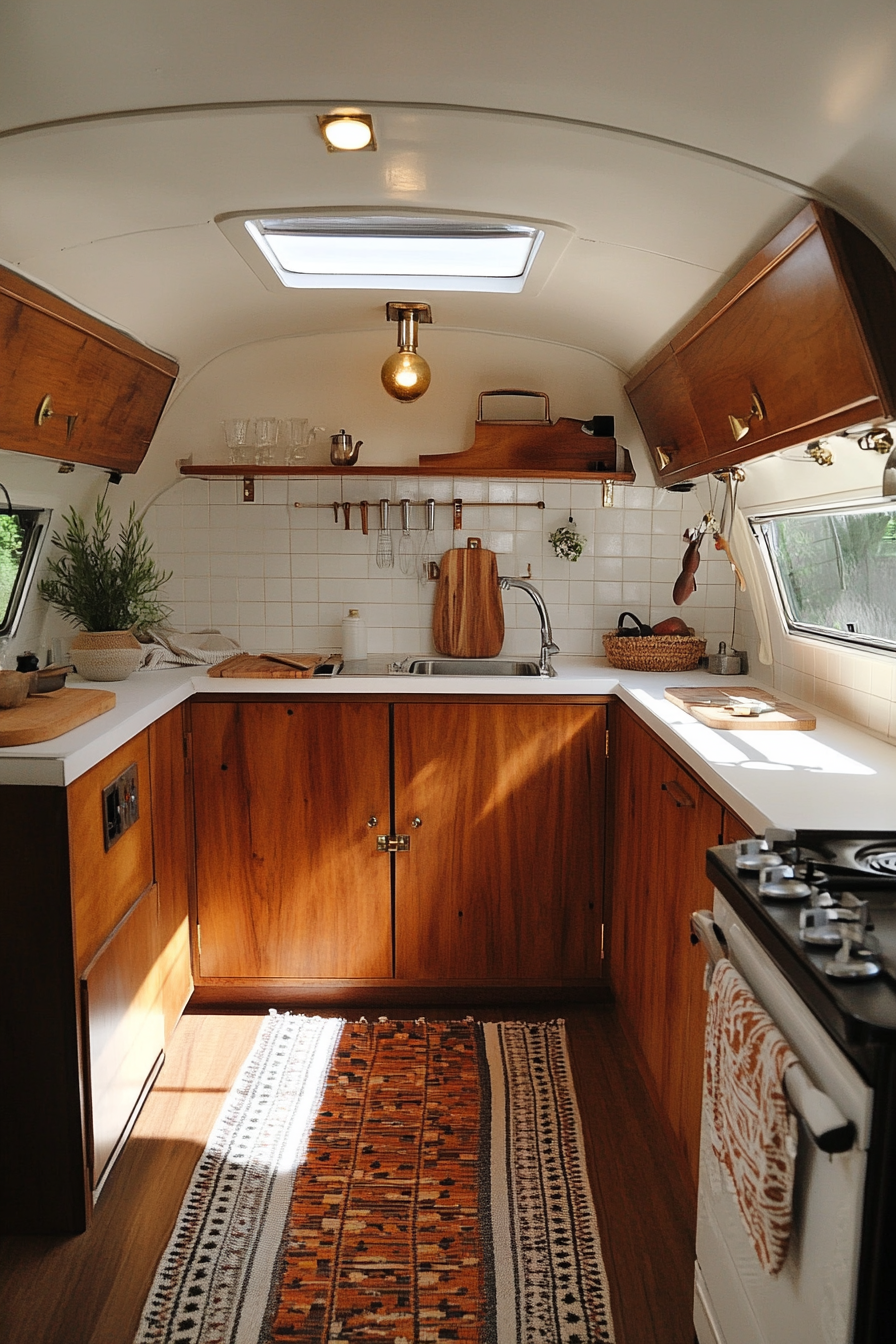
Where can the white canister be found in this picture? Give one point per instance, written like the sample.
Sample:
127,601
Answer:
354,637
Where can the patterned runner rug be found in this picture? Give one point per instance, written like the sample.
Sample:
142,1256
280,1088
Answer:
400,1182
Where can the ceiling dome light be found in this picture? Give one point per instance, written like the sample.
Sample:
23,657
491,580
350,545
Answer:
344,131
405,374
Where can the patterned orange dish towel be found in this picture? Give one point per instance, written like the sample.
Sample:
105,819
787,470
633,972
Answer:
753,1131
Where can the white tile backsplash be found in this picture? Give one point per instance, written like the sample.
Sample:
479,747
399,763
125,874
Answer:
273,575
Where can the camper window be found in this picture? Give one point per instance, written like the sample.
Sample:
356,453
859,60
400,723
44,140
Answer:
21,535
835,570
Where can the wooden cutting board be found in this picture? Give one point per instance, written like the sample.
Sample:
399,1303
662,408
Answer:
265,665
468,616
45,716
708,704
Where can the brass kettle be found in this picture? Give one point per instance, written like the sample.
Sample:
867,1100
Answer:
343,453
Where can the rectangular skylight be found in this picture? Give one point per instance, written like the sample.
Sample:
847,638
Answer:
381,251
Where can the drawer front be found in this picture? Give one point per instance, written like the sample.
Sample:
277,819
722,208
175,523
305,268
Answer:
124,1029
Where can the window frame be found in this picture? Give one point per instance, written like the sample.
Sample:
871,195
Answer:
39,523
759,524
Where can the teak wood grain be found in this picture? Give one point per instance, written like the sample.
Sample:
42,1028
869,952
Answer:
43,717
664,823
124,1027
502,446
106,882
172,835
504,875
468,613
807,324
114,387
289,880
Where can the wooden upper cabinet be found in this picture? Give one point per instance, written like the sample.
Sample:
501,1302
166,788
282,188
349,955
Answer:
659,395
107,390
803,333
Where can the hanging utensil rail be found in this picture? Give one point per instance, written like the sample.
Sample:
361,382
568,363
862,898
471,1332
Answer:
339,505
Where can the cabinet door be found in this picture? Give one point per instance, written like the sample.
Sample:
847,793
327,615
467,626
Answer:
664,823
790,337
172,859
124,1029
289,881
660,399
107,390
503,879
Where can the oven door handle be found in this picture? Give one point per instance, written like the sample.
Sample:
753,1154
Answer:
824,1120
828,1126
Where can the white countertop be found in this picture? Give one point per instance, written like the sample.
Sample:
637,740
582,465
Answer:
836,776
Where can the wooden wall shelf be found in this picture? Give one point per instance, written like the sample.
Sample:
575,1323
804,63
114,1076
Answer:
214,471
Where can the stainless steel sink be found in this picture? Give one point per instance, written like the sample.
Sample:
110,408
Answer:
470,667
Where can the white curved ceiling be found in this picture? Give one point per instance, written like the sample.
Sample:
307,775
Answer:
469,101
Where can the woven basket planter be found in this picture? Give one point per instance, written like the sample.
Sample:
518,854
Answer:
106,655
654,653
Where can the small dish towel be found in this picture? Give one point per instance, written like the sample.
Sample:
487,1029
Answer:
753,1131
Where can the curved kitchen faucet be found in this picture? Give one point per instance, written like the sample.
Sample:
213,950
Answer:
548,647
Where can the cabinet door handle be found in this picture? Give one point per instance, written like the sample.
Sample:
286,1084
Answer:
742,424
663,456
679,796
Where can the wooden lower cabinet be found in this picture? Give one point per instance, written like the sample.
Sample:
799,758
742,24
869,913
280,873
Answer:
501,883
663,823
504,805
289,799
123,1027
90,939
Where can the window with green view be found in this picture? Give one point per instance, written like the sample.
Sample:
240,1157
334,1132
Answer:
21,534
835,570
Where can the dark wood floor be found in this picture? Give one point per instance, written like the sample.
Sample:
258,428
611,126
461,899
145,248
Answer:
90,1289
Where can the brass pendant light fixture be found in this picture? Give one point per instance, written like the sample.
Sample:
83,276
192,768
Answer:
405,374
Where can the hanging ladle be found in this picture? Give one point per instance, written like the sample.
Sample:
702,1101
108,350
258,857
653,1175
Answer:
686,584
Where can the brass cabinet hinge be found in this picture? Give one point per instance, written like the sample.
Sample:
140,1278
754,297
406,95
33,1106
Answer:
602,942
199,939
607,743
393,844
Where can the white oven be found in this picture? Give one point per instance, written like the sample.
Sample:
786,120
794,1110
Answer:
812,1299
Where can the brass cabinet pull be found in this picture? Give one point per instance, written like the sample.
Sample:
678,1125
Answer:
740,424
663,457
679,796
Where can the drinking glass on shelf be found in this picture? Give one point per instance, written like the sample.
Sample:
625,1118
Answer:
236,436
295,436
265,439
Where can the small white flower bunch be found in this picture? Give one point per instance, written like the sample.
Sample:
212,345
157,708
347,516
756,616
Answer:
568,544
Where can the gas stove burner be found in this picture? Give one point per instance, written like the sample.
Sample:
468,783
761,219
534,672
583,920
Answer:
879,858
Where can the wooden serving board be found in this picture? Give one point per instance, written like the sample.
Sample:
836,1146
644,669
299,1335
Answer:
45,716
265,665
468,616
708,704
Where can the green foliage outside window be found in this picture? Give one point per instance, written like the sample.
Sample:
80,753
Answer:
12,538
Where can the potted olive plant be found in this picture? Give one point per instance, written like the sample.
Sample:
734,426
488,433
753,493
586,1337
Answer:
111,591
